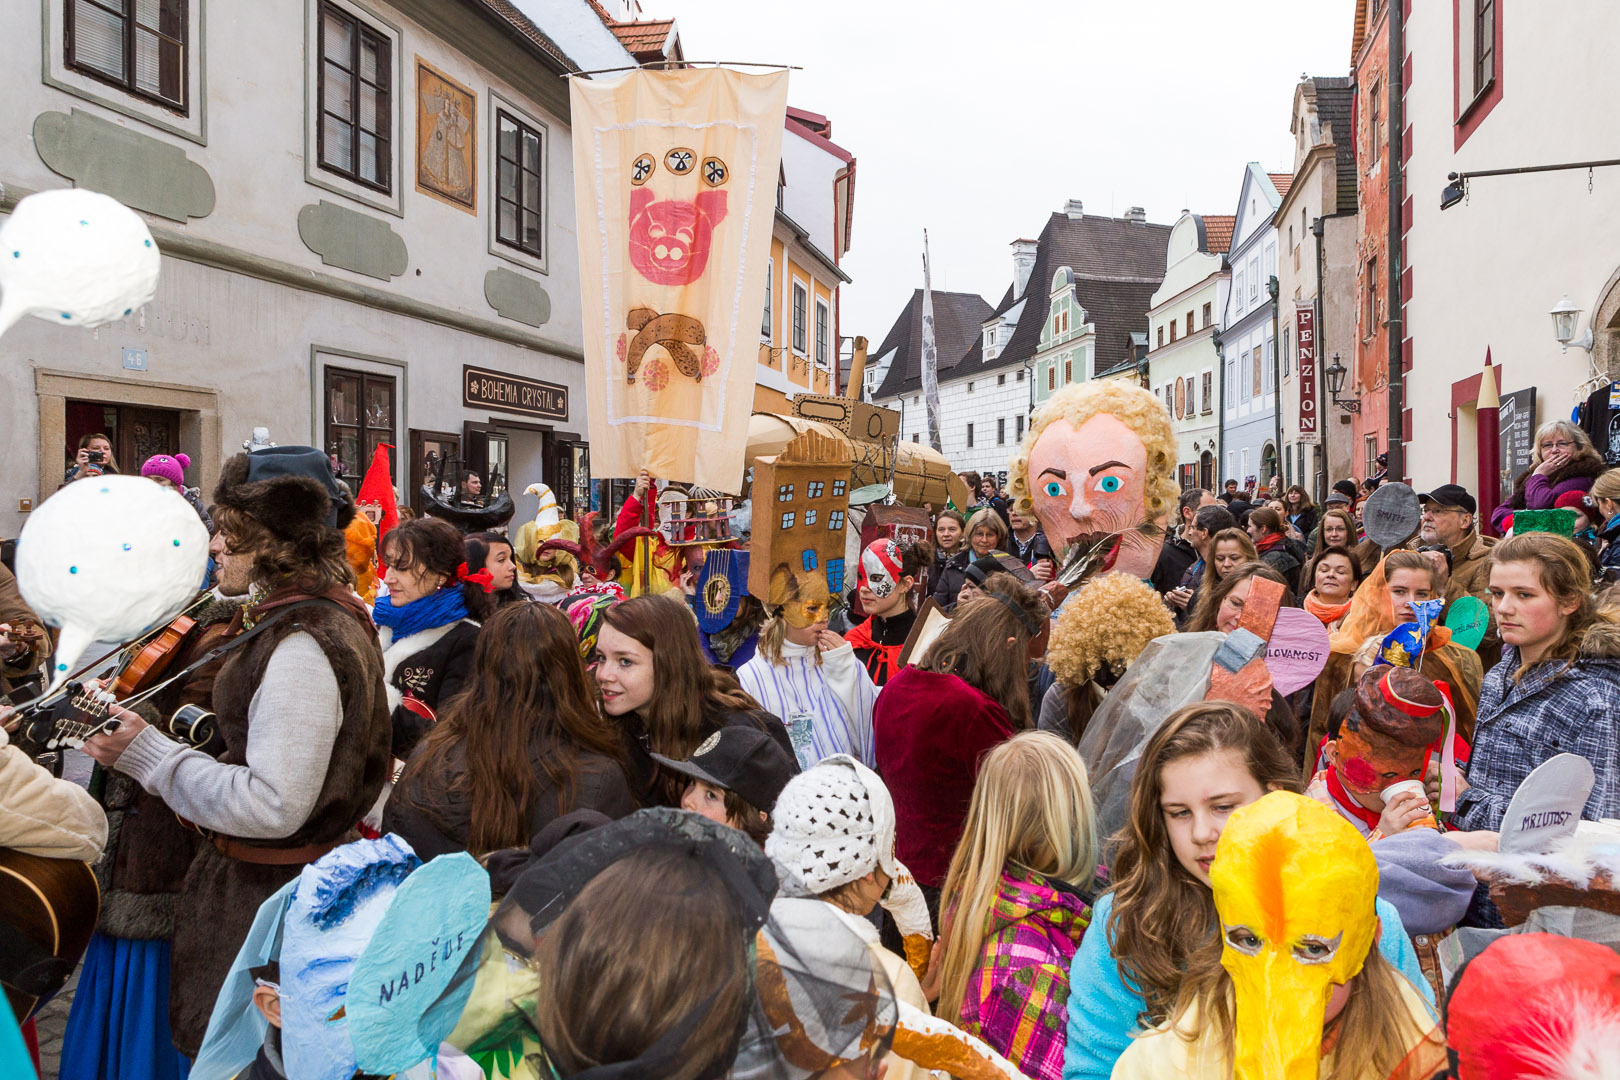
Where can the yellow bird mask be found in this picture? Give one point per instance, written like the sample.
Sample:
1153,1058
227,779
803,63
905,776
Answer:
1294,888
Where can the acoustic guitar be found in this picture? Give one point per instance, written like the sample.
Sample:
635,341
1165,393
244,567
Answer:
48,910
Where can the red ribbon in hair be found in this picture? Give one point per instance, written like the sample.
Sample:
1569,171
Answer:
482,577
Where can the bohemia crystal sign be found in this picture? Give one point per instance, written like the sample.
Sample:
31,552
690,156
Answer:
481,387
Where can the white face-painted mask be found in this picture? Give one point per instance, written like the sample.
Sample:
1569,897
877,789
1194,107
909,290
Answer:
880,568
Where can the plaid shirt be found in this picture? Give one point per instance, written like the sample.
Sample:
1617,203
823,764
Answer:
1551,710
1017,1000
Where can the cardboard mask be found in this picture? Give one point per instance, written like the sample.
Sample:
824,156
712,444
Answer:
1096,466
721,585
1294,889
805,598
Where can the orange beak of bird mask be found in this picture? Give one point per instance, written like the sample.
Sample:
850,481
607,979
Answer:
1294,888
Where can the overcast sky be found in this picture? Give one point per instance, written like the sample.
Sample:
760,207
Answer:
978,118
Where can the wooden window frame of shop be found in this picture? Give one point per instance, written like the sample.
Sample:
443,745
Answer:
200,439
551,437
323,356
1472,108
364,452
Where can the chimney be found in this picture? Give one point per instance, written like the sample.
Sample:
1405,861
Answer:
1136,214
1074,209
1023,264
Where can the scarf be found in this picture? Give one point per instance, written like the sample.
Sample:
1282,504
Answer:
1347,802
1269,542
440,608
1328,613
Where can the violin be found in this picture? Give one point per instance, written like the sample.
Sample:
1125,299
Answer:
148,664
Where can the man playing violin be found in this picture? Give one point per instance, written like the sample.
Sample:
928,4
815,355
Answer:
300,706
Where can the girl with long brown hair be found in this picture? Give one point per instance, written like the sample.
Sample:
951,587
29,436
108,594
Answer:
1206,761
1228,549
935,719
653,681
520,747
1220,607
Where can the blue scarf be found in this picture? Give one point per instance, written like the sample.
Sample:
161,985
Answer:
441,608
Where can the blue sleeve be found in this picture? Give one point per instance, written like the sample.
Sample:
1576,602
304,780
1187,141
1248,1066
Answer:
1397,949
1102,1008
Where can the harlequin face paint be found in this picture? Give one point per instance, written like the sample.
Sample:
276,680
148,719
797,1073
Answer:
880,568
1294,888
1087,483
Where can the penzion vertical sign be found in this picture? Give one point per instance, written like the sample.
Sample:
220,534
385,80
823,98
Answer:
1305,336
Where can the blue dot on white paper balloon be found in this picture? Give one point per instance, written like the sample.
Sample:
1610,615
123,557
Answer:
148,243
126,547
61,667
73,569
66,315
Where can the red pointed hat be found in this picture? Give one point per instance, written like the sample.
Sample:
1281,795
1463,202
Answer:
377,489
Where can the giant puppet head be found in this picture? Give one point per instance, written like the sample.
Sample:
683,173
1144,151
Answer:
1294,888
1097,464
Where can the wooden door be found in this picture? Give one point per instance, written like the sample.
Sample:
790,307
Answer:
145,432
428,448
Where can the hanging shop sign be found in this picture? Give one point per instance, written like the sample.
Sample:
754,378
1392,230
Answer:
482,388
1305,336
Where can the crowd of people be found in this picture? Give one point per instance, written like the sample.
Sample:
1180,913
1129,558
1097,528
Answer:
815,844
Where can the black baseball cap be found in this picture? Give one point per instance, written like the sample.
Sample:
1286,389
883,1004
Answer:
741,759
1451,495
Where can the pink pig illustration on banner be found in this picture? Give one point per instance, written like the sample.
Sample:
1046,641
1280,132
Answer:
669,239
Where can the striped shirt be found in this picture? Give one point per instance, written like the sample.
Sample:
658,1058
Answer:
826,707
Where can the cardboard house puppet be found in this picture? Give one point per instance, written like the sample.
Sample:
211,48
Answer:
800,512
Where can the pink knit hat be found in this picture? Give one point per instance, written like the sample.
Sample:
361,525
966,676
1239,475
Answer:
173,469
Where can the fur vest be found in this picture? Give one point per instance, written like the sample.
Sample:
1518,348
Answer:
221,896
1586,464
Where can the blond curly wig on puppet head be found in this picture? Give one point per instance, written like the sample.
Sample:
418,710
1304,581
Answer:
1098,462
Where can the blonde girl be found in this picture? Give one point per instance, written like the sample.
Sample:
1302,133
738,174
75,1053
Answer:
1019,897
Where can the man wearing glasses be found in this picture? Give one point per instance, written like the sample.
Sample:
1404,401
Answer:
1449,522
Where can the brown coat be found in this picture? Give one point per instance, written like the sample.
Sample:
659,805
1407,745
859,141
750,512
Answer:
1468,578
12,609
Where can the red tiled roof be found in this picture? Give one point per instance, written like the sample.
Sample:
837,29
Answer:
1218,232
1282,182
643,37
525,27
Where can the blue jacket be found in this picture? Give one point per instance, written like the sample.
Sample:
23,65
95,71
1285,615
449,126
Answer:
1103,1008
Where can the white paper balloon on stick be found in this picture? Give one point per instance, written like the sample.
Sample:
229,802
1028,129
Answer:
108,558
76,258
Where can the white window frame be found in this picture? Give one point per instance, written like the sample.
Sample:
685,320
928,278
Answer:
823,342
767,324
500,102
799,333
403,136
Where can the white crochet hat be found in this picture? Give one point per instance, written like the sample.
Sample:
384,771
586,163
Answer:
834,823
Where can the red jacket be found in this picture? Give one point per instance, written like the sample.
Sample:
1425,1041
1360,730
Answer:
931,730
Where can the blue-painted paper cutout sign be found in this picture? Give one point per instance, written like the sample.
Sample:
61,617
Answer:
435,920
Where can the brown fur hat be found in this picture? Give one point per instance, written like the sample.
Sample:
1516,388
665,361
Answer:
290,490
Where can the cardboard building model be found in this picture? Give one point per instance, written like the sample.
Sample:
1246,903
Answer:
800,510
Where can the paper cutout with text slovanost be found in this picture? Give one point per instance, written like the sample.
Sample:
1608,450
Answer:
1297,650
675,175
